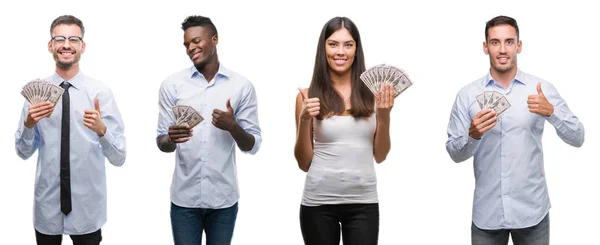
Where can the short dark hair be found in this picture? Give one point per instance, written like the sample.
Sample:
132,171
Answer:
198,20
501,20
67,20
362,99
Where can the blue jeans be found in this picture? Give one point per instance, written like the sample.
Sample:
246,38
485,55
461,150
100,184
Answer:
188,224
536,235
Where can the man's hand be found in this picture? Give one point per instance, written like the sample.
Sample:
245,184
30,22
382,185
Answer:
482,122
36,112
180,133
538,103
224,119
93,119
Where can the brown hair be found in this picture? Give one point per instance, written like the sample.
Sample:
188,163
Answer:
362,99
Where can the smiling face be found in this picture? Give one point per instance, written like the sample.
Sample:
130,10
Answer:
200,45
502,46
66,45
340,49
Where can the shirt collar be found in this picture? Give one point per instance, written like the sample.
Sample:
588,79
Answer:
519,77
76,81
223,71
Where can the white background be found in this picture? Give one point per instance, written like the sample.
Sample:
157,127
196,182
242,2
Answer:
425,198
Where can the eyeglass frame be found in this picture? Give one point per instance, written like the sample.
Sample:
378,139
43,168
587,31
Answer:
77,39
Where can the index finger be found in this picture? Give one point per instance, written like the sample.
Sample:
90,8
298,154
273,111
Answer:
184,126
483,113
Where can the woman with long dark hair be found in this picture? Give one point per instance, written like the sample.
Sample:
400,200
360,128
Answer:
341,127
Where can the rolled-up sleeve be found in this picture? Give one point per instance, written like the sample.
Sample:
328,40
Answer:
246,116
26,139
113,141
567,125
166,102
459,145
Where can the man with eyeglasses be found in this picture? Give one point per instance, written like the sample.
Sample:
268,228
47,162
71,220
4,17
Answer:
73,142
204,192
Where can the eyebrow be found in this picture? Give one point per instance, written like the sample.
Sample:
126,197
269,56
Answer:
335,41
497,39
192,40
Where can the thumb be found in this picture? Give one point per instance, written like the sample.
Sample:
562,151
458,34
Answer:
539,89
97,104
304,95
228,104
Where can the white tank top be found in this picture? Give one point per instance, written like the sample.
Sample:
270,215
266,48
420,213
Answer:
342,170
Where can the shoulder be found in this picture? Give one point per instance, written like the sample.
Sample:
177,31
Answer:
476,85
95,85
532,79
237,78
176,77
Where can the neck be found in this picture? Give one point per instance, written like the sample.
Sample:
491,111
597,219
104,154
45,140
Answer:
210,69
504,78
67,73
341,80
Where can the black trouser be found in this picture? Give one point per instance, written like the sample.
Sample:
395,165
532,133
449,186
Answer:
321,224
93,238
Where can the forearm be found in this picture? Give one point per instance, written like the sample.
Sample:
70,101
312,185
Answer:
113,147
165,145
461,148
382,142
244,140
568,127
303,150
25,143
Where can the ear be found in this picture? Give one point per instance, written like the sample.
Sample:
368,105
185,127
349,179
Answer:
215,39
519,46
485,48
82,47
50,46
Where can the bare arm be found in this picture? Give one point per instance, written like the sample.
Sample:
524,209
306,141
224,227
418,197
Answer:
306,109
165,145
382,142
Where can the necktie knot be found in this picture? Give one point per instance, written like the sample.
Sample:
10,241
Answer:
65,85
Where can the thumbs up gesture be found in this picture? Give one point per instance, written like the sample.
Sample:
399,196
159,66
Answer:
224,119
93,119
311,107
538,103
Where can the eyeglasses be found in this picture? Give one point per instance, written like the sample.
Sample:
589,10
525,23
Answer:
62,39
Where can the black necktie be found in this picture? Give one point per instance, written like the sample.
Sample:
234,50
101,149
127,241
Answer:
65,171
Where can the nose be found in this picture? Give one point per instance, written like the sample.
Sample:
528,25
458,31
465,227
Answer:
340,51
66,44
191,48
503,48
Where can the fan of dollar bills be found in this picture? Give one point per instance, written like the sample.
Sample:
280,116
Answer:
378,75
493,100
185,114
38,91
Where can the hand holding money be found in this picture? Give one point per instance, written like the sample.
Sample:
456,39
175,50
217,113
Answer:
180,133
224,119
310,107
377,76
384,100
36,112
538,103
493,100
93,119
482,122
